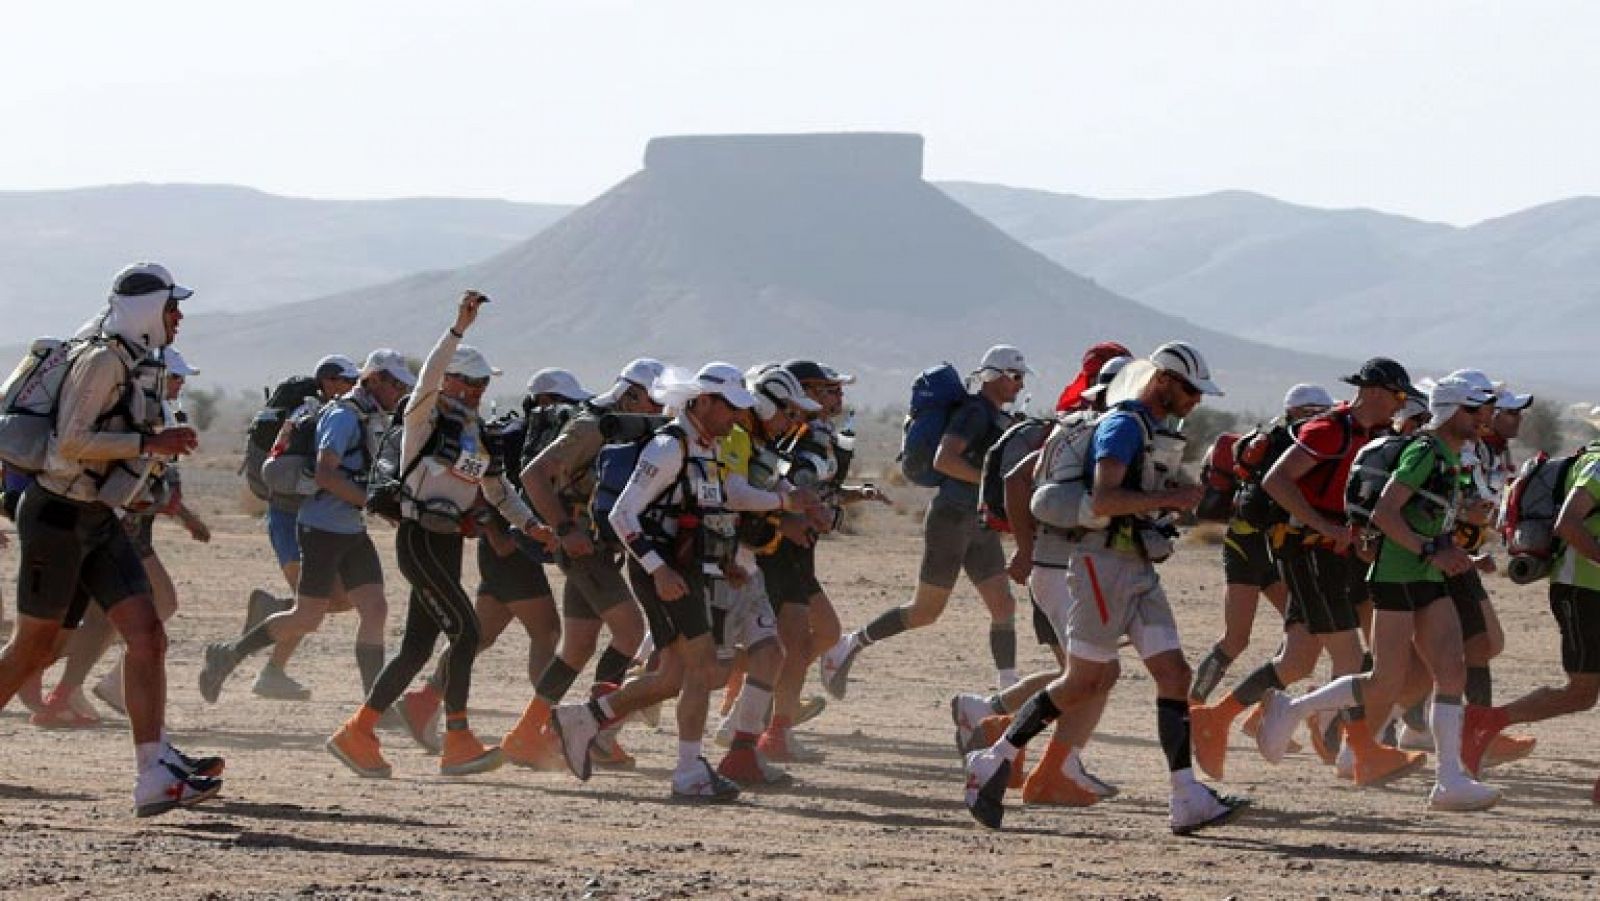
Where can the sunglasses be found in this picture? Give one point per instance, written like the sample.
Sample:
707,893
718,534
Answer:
141,283
471,382
1015,374
1184,384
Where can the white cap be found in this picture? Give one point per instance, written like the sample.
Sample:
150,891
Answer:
1183,361
1506,399
1479,382
1307,395
147,278
726,380
1413,408
469,362
641,373
336,366
772,385
1004,358
1108,372
176,364
559,382
1453,392
392,362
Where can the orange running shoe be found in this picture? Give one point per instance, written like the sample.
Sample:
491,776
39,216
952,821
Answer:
464,755
1378,764
530,743
989,731
608,754
1049,786
1507,747
746,766
357,747
1480,725
420,711
1208,734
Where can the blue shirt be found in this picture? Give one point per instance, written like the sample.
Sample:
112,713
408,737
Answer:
980,424
342,431
1120,436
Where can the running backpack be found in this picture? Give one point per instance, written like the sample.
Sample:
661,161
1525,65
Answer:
1534,502
541,425
1220,479
934,396
614,465
1061,483
1374,464
1003,456
281,403
289,472
28,402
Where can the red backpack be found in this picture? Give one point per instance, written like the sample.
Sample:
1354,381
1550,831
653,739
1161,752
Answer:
1220,479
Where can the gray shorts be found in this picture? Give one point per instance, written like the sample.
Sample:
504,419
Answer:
594,584
741,617
1102,596
954,540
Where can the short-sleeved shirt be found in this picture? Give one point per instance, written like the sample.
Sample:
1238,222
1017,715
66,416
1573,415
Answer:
981,424
344,432
1121,437
1574,568
573,451
1332,439
1424,466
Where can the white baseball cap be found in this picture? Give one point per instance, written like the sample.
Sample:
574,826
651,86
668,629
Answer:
336,366
1108,373
1183,361
1506,399
176,364
559,382
1004,358
726,380
390,361
777,385
1479,382
147,278
1307,395
641,373
469,362
1453,392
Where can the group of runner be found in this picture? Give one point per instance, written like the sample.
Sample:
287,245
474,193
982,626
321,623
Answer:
683,510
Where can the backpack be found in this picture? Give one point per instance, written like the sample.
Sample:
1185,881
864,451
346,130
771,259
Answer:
934,396
31,396
540,427
1374,464
1061,485
1534,502
1220,478
289,470
615,463
1016,442
288,396
502,438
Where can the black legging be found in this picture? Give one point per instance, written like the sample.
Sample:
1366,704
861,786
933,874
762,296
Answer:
431,562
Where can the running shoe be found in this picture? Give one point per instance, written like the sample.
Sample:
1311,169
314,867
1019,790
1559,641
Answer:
1049,785
1507,747
833,667
358,749
1277,726
723,737
209,767
988,775
1208,736
1463,795
1196,807
165,786
967,711
272,682
1479,727
782,745
420,711
1412,739
109,690
221,661
700,784
747,766
809,709
464,755
1327,736
1088,781
608,754
577,729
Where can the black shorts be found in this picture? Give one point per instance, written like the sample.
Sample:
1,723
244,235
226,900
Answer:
72,552
955,540
1322,587
1469,596
594,584
1577,612
791,574
329,558
1247,559
688,617
1042,630
1405,597
141,531
514,577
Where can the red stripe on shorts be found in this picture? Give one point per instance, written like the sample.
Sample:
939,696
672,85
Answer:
1094,583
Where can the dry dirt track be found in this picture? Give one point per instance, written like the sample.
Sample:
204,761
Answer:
881,818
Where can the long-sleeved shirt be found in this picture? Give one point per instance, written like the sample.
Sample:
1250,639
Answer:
456,481
87,443
656,480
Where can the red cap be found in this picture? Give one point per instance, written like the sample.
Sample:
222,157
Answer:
1096,357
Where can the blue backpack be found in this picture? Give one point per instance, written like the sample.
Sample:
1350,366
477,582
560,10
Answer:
613,467
934,395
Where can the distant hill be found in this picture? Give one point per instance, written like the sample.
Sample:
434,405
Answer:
749,248
240,248
1513,295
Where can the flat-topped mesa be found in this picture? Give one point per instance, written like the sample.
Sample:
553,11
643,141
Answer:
869,156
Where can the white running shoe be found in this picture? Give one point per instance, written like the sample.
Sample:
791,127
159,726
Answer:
1277,726
1410,739
833,667
702,784
967,711
165,785
272,682
1088,781
1467,794
1197,807
988,774
577,729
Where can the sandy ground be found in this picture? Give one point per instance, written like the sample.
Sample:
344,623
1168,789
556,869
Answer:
881,817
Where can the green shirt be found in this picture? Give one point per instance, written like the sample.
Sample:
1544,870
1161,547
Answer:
1574,568
1427,467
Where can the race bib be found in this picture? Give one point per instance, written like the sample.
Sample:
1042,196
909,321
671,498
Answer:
708,494
472,465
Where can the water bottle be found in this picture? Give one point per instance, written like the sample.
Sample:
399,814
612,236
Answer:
845,440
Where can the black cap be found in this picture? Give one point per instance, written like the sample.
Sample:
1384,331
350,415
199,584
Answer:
1384,373
809,371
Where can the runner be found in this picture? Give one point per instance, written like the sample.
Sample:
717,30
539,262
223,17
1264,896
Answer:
336,550
1415,514
1316,559
73,549
954,537
1111,590
559,482
444,465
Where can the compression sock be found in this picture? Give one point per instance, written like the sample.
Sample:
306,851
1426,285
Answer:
253,640
1038,713
1208,674
1172,725
612,666
1447,719
556,681
369,660
1480,686
1003,647
888,624
1255,686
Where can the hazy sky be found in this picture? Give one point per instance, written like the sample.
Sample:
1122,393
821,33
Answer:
1455,111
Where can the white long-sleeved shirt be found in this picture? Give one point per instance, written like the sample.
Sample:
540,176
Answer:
656,476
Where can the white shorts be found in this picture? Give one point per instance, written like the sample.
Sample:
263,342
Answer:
1102,596
746,615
